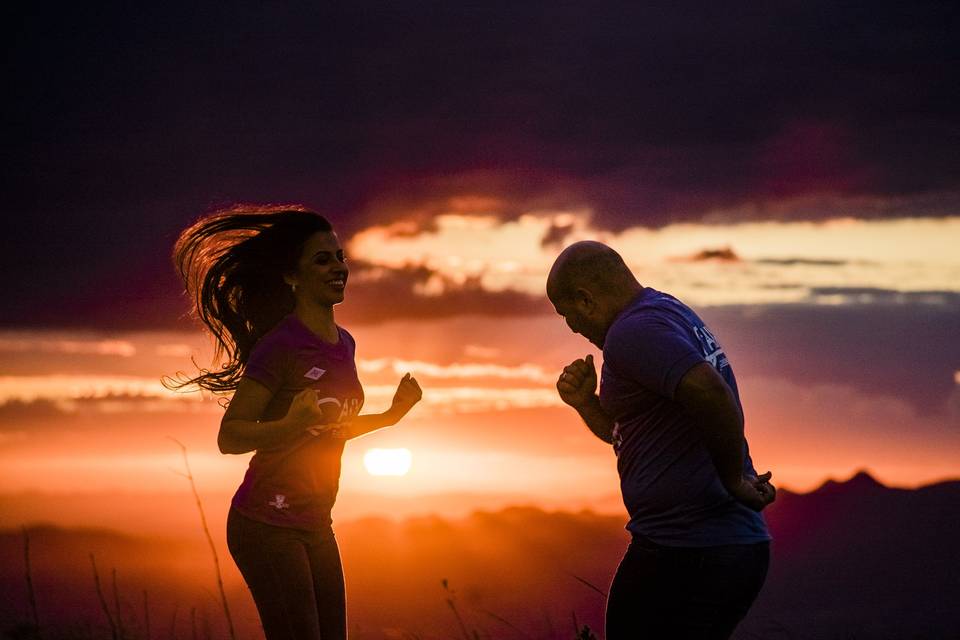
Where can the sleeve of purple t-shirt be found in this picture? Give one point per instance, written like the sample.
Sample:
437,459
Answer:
350,341
267,364
653,352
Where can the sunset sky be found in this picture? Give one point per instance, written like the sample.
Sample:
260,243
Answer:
792,172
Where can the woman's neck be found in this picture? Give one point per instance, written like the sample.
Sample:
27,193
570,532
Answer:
319,320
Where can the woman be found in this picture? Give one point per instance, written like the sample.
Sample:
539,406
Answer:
264,281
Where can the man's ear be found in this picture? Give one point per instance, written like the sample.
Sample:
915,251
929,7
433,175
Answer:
585,301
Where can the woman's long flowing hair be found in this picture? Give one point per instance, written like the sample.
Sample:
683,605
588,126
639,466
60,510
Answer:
232,263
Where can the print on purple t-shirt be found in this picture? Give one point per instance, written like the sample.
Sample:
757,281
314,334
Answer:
669,482
295,484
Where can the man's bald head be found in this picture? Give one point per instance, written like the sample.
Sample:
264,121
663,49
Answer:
593,266
589,285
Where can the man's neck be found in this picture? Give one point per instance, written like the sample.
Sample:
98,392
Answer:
618,303
624,299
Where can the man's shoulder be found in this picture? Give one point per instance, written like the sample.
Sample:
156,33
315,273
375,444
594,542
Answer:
634,330
655,319
651,310
662,302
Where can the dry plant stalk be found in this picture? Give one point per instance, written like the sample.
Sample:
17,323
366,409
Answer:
506,623
103,601
451,602
587,583
116,599
206,530
173,622
30,592
146,614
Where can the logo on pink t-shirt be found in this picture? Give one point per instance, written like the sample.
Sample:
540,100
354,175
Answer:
279,502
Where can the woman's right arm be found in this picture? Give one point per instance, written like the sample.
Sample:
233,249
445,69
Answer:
241,430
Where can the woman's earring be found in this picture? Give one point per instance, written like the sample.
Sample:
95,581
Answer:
293,287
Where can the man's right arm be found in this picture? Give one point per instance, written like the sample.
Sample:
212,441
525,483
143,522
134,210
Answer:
577,385
596,419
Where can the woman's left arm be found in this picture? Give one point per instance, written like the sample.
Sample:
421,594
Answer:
408,394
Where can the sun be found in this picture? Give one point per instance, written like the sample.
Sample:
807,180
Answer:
387,462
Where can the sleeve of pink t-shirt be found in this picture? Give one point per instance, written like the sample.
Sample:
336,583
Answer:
267,364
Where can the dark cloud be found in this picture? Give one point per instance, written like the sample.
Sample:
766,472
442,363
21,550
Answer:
907,350
790,262
556,235
121,126
395,294
885,297
16,415
880,343
721,254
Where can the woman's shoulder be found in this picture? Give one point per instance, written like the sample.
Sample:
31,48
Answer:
271,357
347,338
279,337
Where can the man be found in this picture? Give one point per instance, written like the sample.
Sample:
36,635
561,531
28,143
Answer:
669,405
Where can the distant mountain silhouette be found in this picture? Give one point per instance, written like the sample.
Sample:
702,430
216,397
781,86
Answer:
862,559
851,559
861,482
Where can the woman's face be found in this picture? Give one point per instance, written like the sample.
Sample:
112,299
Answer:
322,269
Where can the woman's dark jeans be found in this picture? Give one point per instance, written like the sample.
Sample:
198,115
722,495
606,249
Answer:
295,577
673,592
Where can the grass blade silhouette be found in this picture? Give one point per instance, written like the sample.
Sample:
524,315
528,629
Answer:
588,584
146,615
206,530
451,602
507,623
116,600
103,601
30,593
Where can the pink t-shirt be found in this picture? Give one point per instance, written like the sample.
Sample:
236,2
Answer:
294,484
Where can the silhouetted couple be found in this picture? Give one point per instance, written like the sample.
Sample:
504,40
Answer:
264,281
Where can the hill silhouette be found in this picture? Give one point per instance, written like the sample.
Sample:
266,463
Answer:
850,559
862,559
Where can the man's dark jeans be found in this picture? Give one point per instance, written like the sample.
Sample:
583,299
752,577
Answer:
295,577
673,592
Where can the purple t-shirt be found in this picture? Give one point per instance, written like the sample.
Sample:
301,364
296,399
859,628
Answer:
670,485
294,484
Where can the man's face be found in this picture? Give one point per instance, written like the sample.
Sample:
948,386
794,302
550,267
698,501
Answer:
579,316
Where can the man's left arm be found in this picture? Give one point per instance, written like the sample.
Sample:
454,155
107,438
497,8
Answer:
705,395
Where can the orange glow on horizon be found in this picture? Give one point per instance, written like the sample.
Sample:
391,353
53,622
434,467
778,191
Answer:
490,415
